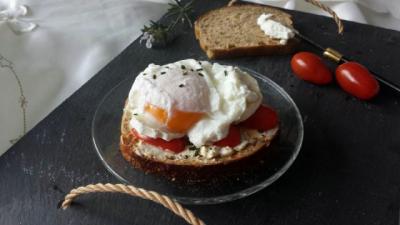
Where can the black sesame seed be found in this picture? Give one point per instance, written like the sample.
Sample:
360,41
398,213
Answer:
154,76
200,74
199,69
162,73
191,70
185,73
192,148
181,85
183,67
167,67
199,62
226,73
135,114
144,74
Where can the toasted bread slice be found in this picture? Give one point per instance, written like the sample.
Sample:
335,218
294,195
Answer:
233,31
189,165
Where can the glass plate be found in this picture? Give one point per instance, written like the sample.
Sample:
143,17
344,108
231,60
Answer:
277,159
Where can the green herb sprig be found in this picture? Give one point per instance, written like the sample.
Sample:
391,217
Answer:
157,34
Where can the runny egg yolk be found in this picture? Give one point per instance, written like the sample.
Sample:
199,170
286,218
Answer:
178,122
158,113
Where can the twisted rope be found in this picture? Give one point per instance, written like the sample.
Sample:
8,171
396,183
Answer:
330,11
168,203
319,5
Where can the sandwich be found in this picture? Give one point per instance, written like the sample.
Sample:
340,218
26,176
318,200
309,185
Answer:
190,120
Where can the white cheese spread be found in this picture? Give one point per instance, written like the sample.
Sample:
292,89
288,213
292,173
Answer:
274,29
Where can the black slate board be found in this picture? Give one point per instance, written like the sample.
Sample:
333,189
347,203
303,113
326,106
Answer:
347,171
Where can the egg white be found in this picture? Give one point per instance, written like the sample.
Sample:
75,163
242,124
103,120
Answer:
225,94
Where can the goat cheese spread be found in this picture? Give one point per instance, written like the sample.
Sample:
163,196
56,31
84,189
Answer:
274,29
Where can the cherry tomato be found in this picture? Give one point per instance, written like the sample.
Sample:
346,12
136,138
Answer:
309,67
231,140
174,145
356,80
263,119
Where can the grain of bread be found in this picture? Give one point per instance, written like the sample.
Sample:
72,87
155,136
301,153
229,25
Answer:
192,169
232,31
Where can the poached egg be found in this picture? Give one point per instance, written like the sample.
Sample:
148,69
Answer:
191,98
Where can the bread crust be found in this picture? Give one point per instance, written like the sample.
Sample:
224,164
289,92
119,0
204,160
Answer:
232,52
189,172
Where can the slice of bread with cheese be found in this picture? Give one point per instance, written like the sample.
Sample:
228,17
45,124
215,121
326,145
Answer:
233,31
193,164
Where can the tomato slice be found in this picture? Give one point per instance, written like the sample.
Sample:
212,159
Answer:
231,140
175,145
263,119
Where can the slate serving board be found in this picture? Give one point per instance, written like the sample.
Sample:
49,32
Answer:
347,171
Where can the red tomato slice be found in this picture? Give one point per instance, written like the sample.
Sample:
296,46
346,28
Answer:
355,79
174,145
263,119
231,140
309,67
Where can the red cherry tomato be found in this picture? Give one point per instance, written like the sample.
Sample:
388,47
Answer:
263,119
309,67
174,145
356,80
231,140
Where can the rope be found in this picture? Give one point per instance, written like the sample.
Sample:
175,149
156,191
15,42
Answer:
319,5
330,11
168,203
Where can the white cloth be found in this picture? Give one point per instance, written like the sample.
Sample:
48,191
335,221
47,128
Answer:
76,38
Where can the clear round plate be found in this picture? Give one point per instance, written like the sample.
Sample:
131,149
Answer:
279,156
